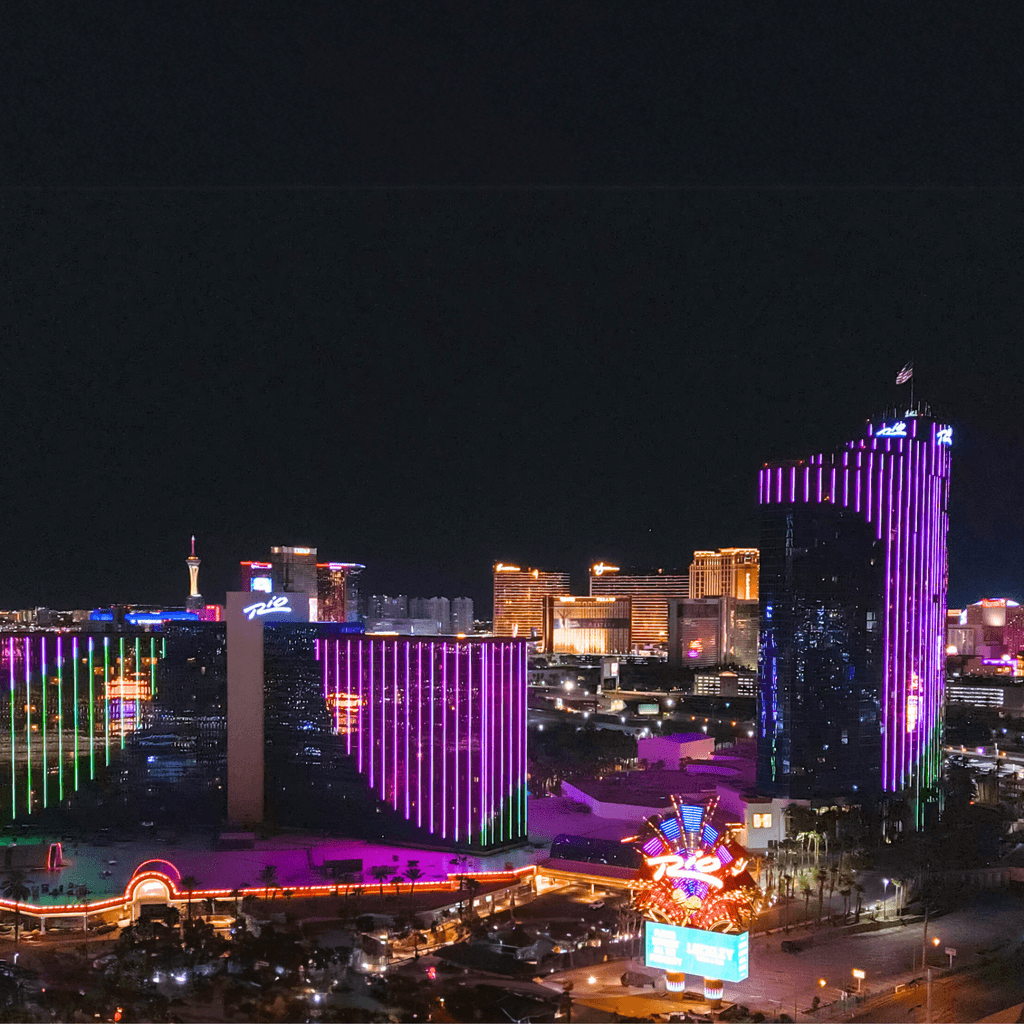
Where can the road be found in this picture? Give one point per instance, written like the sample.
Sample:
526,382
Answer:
959,997
780,982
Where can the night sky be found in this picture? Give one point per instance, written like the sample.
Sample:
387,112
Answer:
432,293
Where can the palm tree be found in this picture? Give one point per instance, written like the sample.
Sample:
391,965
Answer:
83,897
819,877
268,876
859,889
16,888
397,881
189,884
845,893
380,873
461,861
236,895
807,890
412,872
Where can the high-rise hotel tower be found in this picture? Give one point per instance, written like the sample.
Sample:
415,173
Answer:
519,599
853,610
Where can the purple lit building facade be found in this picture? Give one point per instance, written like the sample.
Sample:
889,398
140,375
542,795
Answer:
435,729
853,610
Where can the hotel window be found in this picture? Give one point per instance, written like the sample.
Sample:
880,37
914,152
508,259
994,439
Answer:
762,821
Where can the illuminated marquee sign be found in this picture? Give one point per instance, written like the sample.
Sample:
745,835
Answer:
893,430
274,605
695,951
672,865
262,583
693,872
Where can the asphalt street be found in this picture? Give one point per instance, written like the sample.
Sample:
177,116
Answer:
986,930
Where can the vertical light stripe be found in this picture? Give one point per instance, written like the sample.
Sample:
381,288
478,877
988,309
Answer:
28,725
14,748
92,712
46,721
74,670
60,718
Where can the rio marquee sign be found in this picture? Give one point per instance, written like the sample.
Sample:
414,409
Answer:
277,605
673,865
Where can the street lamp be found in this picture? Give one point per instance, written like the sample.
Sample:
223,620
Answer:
885,890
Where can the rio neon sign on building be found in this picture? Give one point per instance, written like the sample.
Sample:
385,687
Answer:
273,605
944,435
672,865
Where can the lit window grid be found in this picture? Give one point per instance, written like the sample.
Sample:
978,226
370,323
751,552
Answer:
438,728
977,696
46,719
650,595
901,487
612,636
731,572
519,600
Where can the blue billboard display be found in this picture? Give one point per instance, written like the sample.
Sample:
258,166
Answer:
694,951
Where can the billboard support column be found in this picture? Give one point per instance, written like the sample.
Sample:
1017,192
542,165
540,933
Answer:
713,991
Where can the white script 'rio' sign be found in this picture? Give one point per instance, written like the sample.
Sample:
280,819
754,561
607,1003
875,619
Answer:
697,868
893,430
274,604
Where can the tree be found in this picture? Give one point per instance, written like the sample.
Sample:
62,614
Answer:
807,889
16,888
787,883
461,862
268,876
859,889
236,895
381,873
189,884
412,872
396,881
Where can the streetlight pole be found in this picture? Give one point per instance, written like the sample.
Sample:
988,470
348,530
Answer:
885,897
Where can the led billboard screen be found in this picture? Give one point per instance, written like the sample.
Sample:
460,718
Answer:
695,951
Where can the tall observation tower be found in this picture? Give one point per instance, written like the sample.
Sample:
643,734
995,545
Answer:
195,601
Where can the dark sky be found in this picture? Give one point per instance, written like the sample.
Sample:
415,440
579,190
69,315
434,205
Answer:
533,286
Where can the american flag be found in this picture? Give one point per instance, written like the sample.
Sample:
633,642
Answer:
906,373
